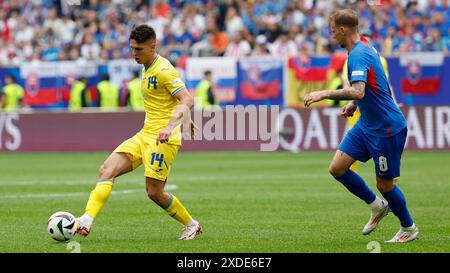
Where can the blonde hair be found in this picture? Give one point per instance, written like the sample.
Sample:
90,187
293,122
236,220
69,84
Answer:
345,18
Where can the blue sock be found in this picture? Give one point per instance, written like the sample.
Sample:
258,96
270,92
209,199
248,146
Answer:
397,203
356,185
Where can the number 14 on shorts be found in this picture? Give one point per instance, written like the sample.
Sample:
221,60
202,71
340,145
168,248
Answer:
158,158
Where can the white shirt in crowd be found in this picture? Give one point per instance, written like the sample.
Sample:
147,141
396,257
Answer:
24,34
283,48
238,50
90,51
234,25
67,30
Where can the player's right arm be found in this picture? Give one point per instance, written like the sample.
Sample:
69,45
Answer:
353,92
358,68
348,109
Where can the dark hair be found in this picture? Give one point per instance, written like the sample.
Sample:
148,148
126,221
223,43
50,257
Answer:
105,77
11,76
345,17
142,33
207,73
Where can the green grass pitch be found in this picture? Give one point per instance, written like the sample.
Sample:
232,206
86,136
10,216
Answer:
247,202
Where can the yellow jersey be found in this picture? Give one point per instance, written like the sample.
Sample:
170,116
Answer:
160,82
14,93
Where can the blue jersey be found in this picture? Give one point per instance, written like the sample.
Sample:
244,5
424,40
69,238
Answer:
380,116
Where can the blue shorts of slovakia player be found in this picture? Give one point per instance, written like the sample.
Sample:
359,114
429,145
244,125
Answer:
385,151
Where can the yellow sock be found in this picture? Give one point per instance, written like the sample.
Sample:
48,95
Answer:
354,166
98,197
177,211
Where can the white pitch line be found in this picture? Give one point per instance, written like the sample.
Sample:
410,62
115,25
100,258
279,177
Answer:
252,177
72,194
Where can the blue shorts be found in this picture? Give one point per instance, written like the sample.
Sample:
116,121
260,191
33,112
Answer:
385,151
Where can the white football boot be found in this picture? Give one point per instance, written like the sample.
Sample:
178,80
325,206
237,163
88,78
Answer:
375,218
405,235
190,232
82,229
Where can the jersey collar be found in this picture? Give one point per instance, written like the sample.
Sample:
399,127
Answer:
154,61
359,42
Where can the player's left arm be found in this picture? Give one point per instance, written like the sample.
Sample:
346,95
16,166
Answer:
353,92
181,115
182,110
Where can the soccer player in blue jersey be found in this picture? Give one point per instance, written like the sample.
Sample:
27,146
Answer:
380,133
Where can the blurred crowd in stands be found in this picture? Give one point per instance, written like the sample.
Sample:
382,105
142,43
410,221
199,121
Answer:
51,30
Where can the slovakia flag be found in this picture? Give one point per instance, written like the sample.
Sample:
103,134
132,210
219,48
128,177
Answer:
421,73
261,79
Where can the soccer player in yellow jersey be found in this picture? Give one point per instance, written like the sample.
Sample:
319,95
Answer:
167,102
